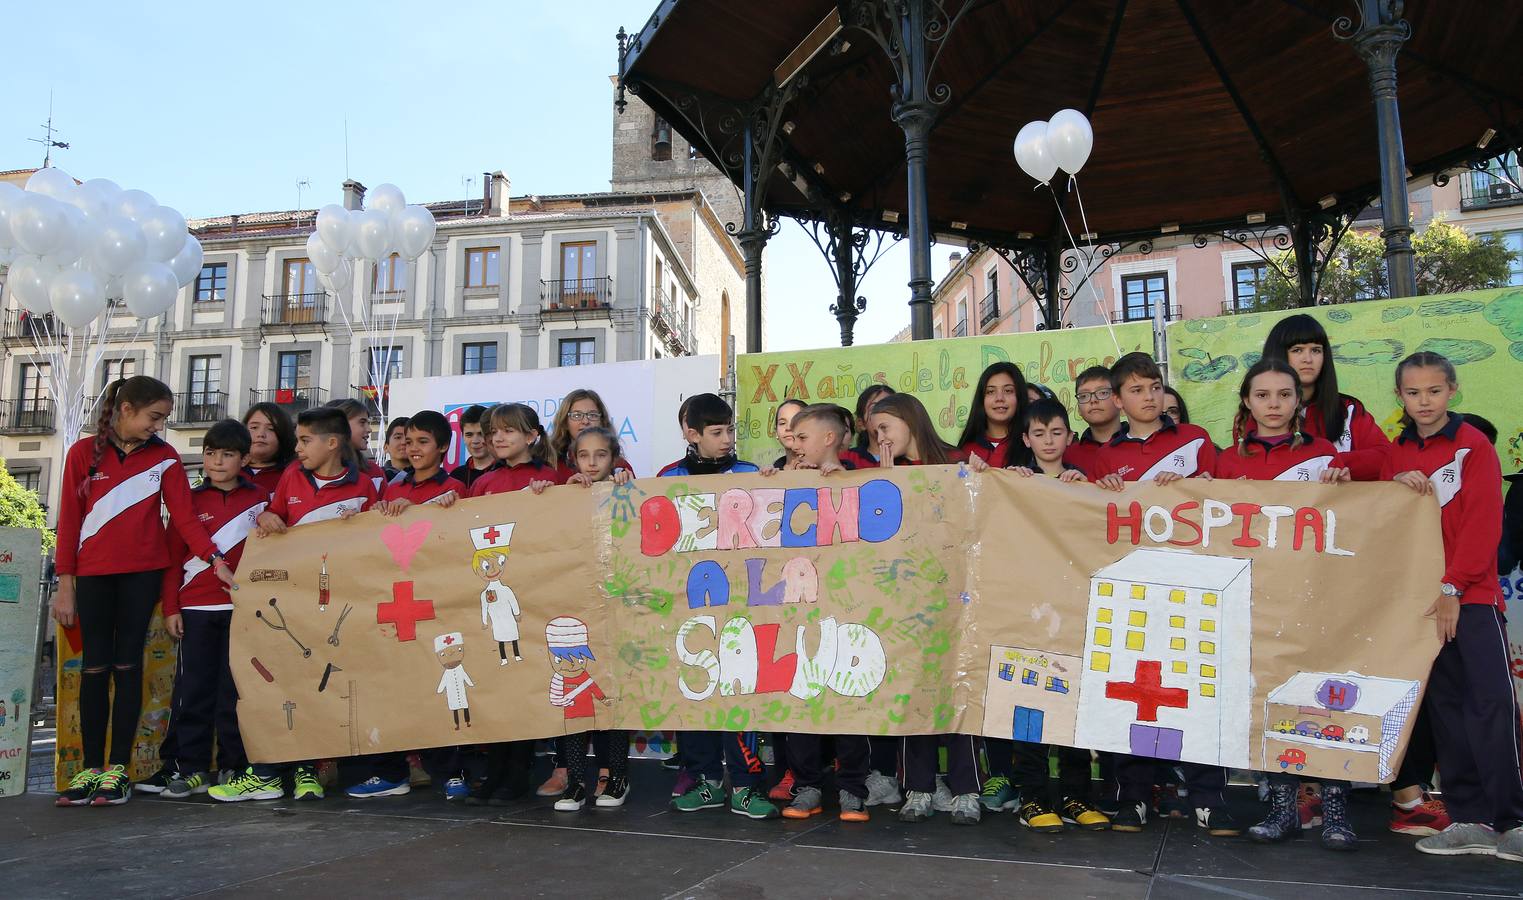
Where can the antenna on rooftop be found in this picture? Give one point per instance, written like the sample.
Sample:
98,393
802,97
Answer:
47,141
469,183
301,186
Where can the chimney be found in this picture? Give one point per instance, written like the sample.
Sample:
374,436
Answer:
954,258
354,195
497,193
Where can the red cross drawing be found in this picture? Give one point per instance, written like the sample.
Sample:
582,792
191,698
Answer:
448,640
491,534
403,611
1147,691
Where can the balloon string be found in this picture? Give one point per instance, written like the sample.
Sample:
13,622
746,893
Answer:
1088,255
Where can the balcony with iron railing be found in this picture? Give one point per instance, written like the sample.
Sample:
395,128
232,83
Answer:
960,329
27,416
1486,190
197,408
30,327
295,309
571,295
293,401
669,323
1136,314
988,309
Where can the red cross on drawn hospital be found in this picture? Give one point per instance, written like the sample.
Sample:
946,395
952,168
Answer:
403,611
1147,691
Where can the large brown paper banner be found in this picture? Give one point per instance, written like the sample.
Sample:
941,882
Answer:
1273,626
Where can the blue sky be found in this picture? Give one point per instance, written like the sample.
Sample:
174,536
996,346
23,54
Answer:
223,108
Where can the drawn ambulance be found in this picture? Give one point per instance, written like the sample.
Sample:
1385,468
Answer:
1166,665
1357,717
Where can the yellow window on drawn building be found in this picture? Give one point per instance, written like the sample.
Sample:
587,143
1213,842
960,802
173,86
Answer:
1137,618
1207,690
1102,637
1181,667
1207,648
1103,615
1207,624
1176,643
1100,662
1207,671
1176,621
1135,640
1139,592
1208,599
1105,589
1176,596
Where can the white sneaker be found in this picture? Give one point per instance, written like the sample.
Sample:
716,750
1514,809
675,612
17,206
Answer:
1461,839
1510,845
943,800
882,790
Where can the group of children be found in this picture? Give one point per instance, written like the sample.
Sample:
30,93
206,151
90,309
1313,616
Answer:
263,475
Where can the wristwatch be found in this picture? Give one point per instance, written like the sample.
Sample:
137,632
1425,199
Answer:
1449,590
217,557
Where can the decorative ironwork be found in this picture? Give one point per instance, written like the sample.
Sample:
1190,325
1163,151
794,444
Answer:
1254,240
849,261
1073,262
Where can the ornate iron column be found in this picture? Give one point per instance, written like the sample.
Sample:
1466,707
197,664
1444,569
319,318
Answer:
850,252
1377,39
913,34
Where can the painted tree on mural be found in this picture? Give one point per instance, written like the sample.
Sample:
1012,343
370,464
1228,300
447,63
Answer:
1449,259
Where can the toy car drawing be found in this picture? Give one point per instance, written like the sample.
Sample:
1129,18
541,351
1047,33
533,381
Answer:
1332,733
1292,757
1285,726
1358,735
1308,729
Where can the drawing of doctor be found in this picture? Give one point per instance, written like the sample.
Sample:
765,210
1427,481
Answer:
450,648
499,605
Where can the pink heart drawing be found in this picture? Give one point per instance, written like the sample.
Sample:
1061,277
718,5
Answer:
404,543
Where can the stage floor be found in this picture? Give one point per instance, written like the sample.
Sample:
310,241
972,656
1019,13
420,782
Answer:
421,846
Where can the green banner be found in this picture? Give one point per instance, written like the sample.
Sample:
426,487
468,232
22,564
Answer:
941,373
1481,331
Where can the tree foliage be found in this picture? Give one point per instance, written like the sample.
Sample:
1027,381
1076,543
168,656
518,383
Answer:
20,508
1448,260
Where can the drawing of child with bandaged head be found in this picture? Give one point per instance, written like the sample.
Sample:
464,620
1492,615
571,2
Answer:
571,687
450,648
499,605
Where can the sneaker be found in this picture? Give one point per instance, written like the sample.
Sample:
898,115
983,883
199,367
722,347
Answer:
998,795
181,785
1130,817
1510,845
704,794
456,789
155,783
917,807
966,810
685,782
943,799
375,786
573,800
784,788
1426,818
486,794
1174,802
1217,821
305,784
226,775
113,788
1081,813
81,786
1038,816
807,802
1461,839
752,803
1309,805
882,790
248,786
853,808
614,793
555,785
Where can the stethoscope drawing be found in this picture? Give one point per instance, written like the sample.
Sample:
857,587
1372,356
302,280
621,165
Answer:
259,614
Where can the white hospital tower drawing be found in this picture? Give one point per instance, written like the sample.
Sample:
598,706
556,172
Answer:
1166,658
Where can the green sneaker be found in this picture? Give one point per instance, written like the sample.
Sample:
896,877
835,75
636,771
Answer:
113,788
703,795
307,786
179,786
752,803
81,786
998,795
247,786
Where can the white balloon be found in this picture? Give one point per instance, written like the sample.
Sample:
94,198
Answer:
118,244
1069,140
77,297
9,194
164,229
149,288
1031,152
75,240
114,288
6,255
339,280
98,197
415,227
28,279
387,198
187,263
135,204
372,235
335,228
39,224
324,258
52,182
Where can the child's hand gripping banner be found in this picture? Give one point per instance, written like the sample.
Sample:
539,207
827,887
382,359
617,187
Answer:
1248,624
